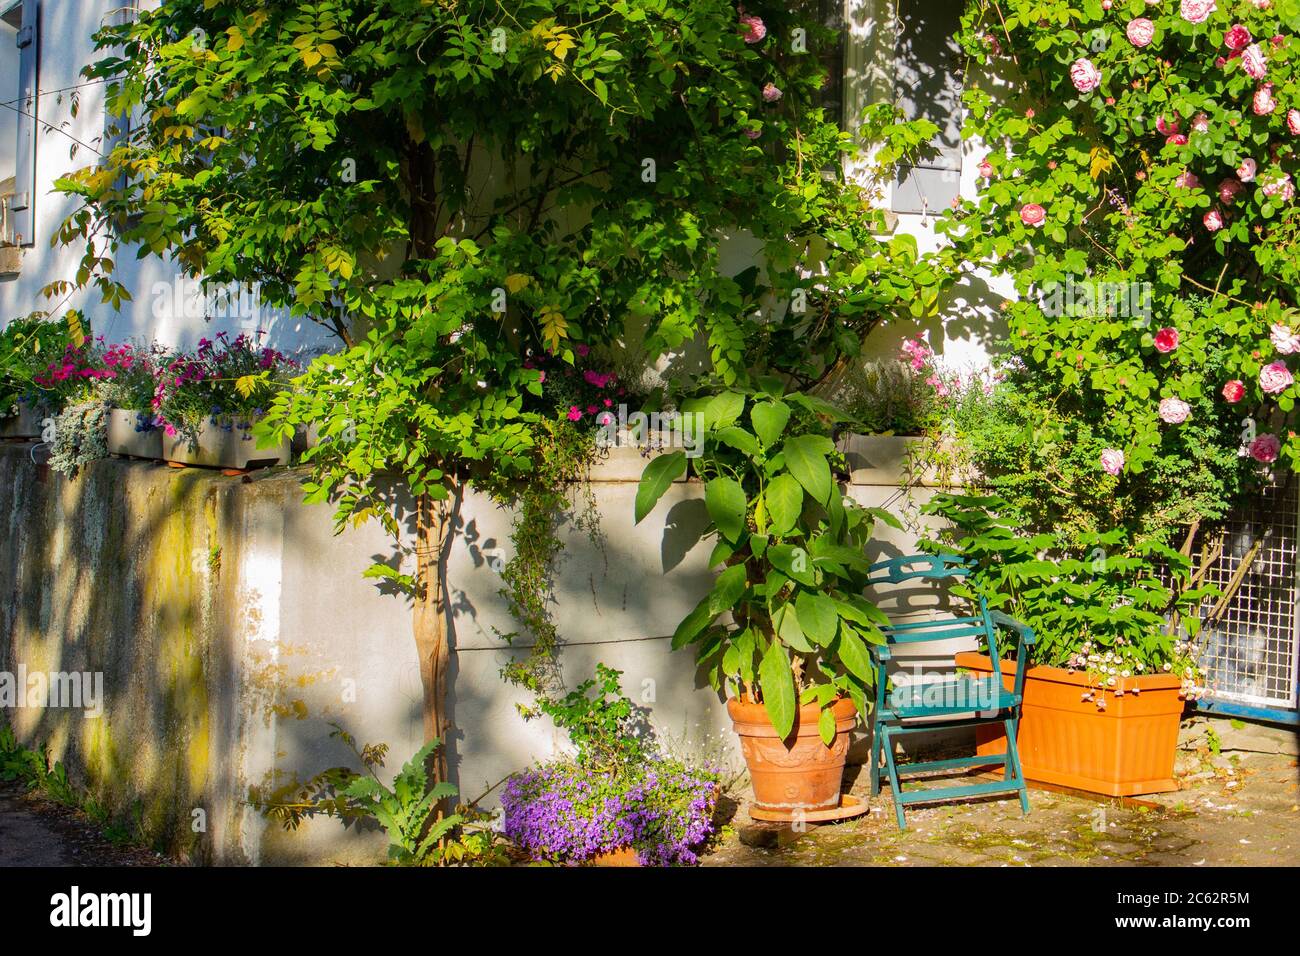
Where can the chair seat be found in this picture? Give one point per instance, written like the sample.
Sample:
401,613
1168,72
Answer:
961,696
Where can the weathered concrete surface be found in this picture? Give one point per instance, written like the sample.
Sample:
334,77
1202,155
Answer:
232,627
35,831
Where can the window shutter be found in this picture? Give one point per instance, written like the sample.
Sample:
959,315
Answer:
928,85
23,204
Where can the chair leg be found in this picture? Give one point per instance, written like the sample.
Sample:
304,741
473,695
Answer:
894,786
1012,725
875,757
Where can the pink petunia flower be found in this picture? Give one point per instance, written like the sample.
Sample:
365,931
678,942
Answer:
575,413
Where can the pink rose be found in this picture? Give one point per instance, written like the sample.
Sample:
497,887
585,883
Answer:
1275,377
1177,139
1167,127
1237,38
1201,123
1262,4
986,169
1229,190
1263,102
1234,391
1112,461
1174,411
1246,171
752,28
1213,220
1140,31
771,93
1033,215
1187,180
1197,11
1293,121
1265,449
1085,76
1279,186
753,133
1253,62
1284,339
1166,340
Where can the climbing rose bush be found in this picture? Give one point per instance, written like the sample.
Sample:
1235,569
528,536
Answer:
1148,150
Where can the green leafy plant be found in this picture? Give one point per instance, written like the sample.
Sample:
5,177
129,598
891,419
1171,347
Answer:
1098,603
606,728
411,812
27,346
790,545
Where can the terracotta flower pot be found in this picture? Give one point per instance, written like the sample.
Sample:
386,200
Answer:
800,772
625,856
1126,749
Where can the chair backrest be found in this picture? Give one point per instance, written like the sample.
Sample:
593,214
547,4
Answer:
934,567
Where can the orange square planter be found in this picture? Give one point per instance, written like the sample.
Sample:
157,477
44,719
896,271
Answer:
1126,749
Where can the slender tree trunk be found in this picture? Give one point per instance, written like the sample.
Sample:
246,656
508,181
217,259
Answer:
435,524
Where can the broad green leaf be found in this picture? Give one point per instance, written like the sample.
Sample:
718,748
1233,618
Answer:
826,726
725,500
656,479
786,622
723,409
854,655
769,420
805,457
693,624
738,439
784,500
817,616
794,562
777,683
727,589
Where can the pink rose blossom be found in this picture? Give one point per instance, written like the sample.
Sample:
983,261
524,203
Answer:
752,28
1263,102
1033,215
1167,127
1229,190
1140,31
1246,171
1197,11
1187,180
1262,4
1201,123
986,169
1112,461
1293,121
771,93
1085,76
1234,391
1265,449
1253,62
1237,38
1174,411
1213,220
1166,340
1284,339
1275,377
1177,139
1279,186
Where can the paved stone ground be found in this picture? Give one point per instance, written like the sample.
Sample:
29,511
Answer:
1239,809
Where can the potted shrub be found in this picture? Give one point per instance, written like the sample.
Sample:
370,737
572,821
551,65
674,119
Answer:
71,383
26,349
131,425
784,631
207,403
1107,680
618,800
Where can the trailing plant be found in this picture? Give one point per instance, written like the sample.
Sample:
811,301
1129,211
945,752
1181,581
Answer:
419,832
26,346
1098,602
790,545
79,437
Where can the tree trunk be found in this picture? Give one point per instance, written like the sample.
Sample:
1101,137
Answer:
435,520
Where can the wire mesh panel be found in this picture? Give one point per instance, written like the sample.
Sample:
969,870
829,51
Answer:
1250,648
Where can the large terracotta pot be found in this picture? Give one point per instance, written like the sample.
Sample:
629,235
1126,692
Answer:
800,772
1126,749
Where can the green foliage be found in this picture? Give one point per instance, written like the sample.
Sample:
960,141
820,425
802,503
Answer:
79,437
419,832
1126,174
27,346
1098,601
605,728
790,545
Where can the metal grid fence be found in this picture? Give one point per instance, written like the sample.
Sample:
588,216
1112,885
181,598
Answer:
1251,651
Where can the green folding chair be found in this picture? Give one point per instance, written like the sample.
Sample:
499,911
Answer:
962,701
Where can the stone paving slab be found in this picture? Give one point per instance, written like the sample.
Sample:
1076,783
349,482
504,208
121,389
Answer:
1238,812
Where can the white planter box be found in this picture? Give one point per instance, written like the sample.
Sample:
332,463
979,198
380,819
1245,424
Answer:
26,424
884,459
214,447
123,436
626,460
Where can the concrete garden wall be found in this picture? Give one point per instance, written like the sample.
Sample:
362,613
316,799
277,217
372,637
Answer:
232,626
